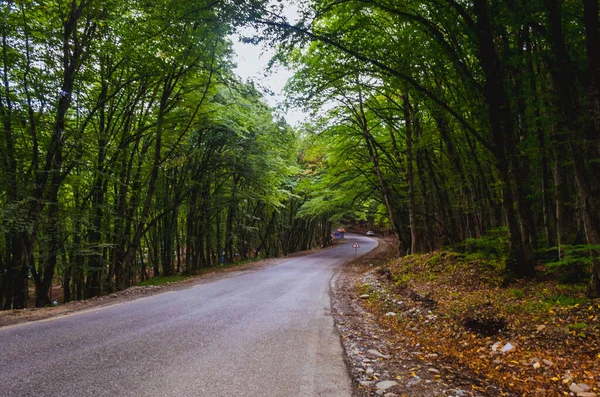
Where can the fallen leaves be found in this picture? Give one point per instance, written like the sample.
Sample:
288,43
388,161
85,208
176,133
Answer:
532,338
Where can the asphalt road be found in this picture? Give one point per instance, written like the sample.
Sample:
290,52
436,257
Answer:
266,332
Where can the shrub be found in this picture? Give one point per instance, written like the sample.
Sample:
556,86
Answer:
493,245
575,264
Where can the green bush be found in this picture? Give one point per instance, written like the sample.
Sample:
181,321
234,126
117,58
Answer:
493,245
564,301
575,263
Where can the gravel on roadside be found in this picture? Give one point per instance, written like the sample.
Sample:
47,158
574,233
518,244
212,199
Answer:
379,363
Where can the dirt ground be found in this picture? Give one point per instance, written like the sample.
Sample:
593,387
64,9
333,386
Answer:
375,353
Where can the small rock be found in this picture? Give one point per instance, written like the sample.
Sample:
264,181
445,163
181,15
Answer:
536,365
496,345
584,387
390,314
459,392
366,382
365,296
547,363
413,382
386,384
433,370
376,353
379,392
390,395
586,394
579,388
370,371
508,348
540,328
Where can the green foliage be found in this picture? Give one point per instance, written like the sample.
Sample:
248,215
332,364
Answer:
577,327
162,280
493,245
564,301
575,263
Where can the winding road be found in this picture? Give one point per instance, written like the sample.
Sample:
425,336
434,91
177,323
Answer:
265,332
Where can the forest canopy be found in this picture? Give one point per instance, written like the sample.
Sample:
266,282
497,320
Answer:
129,148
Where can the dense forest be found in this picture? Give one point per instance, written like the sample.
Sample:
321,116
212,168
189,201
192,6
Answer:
130,149
453,120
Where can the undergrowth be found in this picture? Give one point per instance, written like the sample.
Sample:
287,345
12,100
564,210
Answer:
161,280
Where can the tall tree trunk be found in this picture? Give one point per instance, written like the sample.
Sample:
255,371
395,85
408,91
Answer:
410,174
122,277
521,262
591,201
581,129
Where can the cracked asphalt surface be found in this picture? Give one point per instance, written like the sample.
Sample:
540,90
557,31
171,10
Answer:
267,332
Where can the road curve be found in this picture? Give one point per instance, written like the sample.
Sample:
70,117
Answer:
267,332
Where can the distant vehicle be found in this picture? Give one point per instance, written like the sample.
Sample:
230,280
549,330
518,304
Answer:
370,233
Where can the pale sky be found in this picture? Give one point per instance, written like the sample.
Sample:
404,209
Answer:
252,61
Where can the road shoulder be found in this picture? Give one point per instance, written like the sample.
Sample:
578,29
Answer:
378,360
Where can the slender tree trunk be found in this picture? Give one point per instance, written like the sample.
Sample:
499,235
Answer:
410,174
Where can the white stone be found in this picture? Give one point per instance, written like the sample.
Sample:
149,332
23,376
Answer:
386,384
390,314
508,348
365,296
